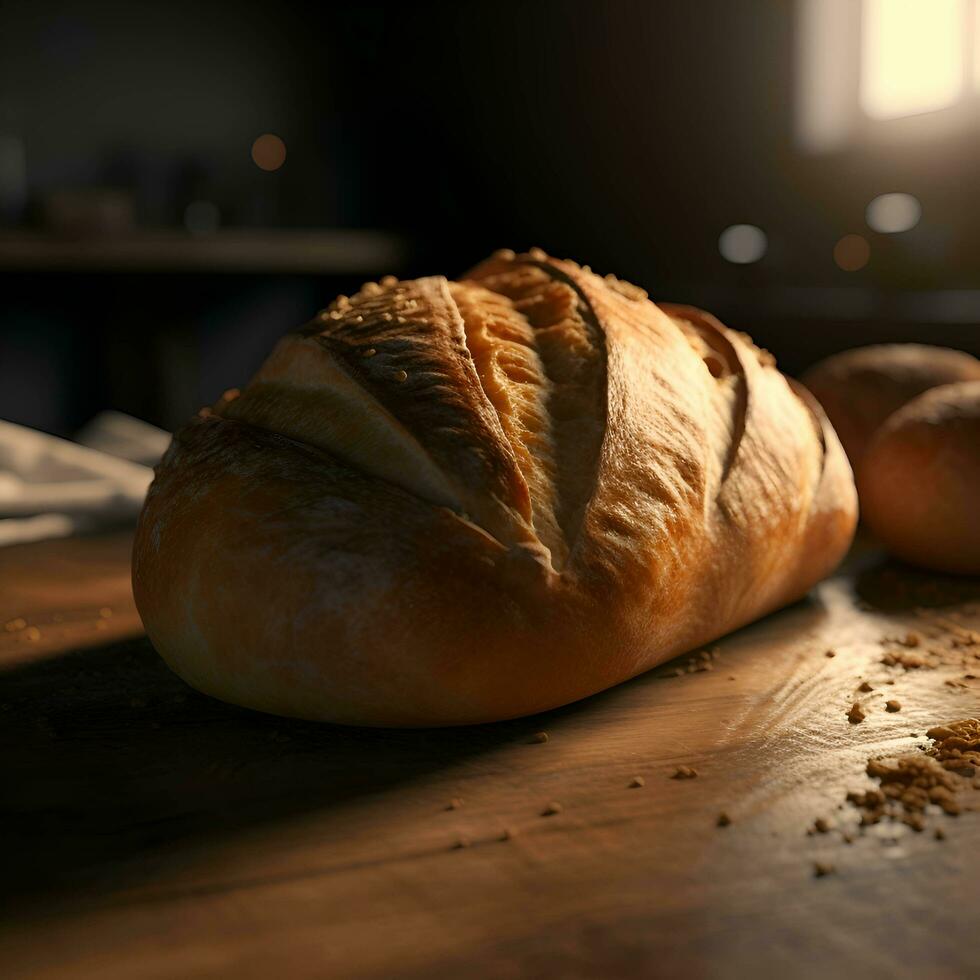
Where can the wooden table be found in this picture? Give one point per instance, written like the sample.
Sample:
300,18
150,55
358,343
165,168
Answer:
153,832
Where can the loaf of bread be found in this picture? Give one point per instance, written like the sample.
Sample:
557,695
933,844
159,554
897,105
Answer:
452,502
920,480
860,388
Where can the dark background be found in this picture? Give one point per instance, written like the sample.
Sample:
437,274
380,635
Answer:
626,135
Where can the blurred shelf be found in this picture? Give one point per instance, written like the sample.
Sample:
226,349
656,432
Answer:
317,252
851,304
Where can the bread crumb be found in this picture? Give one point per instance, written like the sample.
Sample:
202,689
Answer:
865,687
821,869
856,714
912,640
507,834
723,820
939,833
32,633
821,825
370,352
15,624
893,705
684,772
908,786
539,737
907,661
455,803
830,653
636,782
551,809
460,843
106,612
400,376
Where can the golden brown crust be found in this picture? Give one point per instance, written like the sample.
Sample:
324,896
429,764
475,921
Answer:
920,480
570,485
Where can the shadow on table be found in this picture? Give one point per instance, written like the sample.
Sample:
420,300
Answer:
109,758
890,585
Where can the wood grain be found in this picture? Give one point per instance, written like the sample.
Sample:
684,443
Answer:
152,832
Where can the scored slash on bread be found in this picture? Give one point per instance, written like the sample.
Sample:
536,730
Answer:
451,502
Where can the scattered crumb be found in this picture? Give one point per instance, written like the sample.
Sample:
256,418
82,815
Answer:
551,809
32,633
831,653
907,661
106,612
637,781
847,838
865,687
856,714
939,833
455,803
460,843
912,640
821,869
701,661
507,834
679,672
910,785
821,825
684,772
731,677
723,819
15,624
101,624
893,705
539,737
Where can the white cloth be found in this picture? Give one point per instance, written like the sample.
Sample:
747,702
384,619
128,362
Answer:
50,487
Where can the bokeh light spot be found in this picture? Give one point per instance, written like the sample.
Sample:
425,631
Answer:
269,152
852,253
891,213
742,244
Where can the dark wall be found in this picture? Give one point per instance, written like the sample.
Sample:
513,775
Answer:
626,134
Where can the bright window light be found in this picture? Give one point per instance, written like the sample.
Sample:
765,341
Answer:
911,56
976,44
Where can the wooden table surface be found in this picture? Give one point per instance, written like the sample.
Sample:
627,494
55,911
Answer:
152,832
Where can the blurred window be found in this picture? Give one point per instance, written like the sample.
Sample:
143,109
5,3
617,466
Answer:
863,66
